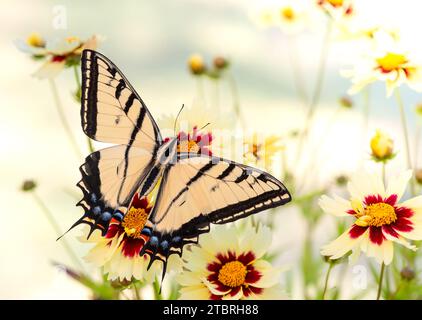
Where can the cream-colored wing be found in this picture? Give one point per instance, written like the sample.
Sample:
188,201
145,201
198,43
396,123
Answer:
199,190
111,110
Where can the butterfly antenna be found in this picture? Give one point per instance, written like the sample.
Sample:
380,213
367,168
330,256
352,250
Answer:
205,126
177,118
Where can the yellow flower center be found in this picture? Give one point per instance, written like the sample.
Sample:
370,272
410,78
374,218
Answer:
391,61
336,3
188,146
377,215
134,221
72,39
232,274
35,40
288,13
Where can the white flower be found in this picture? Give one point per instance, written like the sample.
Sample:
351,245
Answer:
57,53
379,219
118,252
229,264
387,62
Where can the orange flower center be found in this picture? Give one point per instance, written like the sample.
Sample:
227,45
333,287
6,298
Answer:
376,215
134,221
288,13
391,61
188,146
336,3
232,274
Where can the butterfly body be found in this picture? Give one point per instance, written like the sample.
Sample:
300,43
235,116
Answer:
194,189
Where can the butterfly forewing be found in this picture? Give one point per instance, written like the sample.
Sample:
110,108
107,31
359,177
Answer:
111,110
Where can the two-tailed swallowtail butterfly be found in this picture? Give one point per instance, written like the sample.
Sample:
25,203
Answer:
194,190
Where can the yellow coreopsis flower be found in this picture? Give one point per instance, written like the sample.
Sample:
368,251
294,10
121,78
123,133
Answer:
57,53
382,146
290,16
388,62
260,151
337,9
118,251
229,264
379,218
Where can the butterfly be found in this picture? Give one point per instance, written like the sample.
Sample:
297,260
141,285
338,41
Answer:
194,189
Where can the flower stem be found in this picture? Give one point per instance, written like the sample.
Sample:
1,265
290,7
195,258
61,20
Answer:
384,164
57,229
136,291
380,281
235,98
317,92
406,137
297,71
157,290
77,78
62,116
327,277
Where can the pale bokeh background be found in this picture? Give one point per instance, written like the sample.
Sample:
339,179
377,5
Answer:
150,41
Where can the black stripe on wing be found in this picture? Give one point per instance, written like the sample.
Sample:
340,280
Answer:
89,99
162,245
96,213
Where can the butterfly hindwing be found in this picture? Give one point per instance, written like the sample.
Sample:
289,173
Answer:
200,190
110,178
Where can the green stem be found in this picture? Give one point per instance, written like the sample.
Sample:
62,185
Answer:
200,88
157,289
236,101
63,120
327,277
380,281
297,71
136,291
317,92
57,229
384,164
77,77
406,138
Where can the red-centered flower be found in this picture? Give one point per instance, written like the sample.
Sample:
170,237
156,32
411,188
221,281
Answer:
380,220
131,226
194,142
118,252
229,264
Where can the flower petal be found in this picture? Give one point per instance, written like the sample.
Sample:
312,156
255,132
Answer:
199,292
269,275
398,184
336,206
342,245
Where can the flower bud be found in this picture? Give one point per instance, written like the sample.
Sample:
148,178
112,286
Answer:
196,64
341,180
418,176
346,102
220,63
407,274
28,185
382,146
419,109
